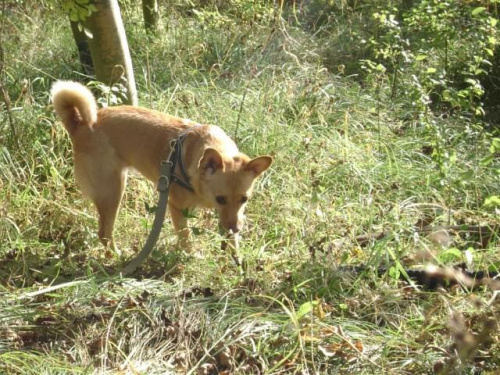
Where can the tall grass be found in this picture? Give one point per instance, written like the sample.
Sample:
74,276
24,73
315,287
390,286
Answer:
346,164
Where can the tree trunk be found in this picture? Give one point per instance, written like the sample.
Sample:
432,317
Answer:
83,49
151,15
109,48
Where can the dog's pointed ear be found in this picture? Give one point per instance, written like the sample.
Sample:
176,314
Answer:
259,164
211,160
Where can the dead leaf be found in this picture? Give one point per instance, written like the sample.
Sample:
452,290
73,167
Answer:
328,331
359,345
308,337
331,350
206,369
224,357
343,349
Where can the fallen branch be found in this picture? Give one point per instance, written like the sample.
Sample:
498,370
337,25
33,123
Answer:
433,277
484,232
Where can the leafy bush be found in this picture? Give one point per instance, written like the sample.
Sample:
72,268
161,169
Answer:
431,54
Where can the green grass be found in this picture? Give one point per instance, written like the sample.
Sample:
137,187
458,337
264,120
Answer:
345,165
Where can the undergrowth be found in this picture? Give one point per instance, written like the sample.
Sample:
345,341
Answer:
349,161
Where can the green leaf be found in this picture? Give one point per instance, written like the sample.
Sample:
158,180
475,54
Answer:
450,255
487,160
492,202
83,13
431,70
420,57
478,10
144,223
495,145
453,156
73,15
394,273
494,266
306,309
447,96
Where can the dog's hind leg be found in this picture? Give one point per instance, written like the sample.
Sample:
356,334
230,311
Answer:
107,203
104,185
107,209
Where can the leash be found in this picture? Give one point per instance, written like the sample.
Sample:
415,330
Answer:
167,175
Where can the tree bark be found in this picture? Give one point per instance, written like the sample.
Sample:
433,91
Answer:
109,48
151,15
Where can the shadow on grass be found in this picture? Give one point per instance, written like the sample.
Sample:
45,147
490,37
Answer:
24,268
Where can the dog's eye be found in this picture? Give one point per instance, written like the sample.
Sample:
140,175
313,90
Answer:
244,199
220,199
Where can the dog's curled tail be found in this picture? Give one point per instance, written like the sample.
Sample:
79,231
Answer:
74,104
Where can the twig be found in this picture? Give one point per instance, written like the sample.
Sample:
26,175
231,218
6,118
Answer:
493,298
239,114
52,288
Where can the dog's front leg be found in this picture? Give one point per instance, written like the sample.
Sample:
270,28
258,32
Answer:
179,220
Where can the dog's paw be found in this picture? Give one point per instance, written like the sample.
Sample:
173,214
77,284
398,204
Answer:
185,246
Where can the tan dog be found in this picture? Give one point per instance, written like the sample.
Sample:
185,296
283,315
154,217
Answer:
108,141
